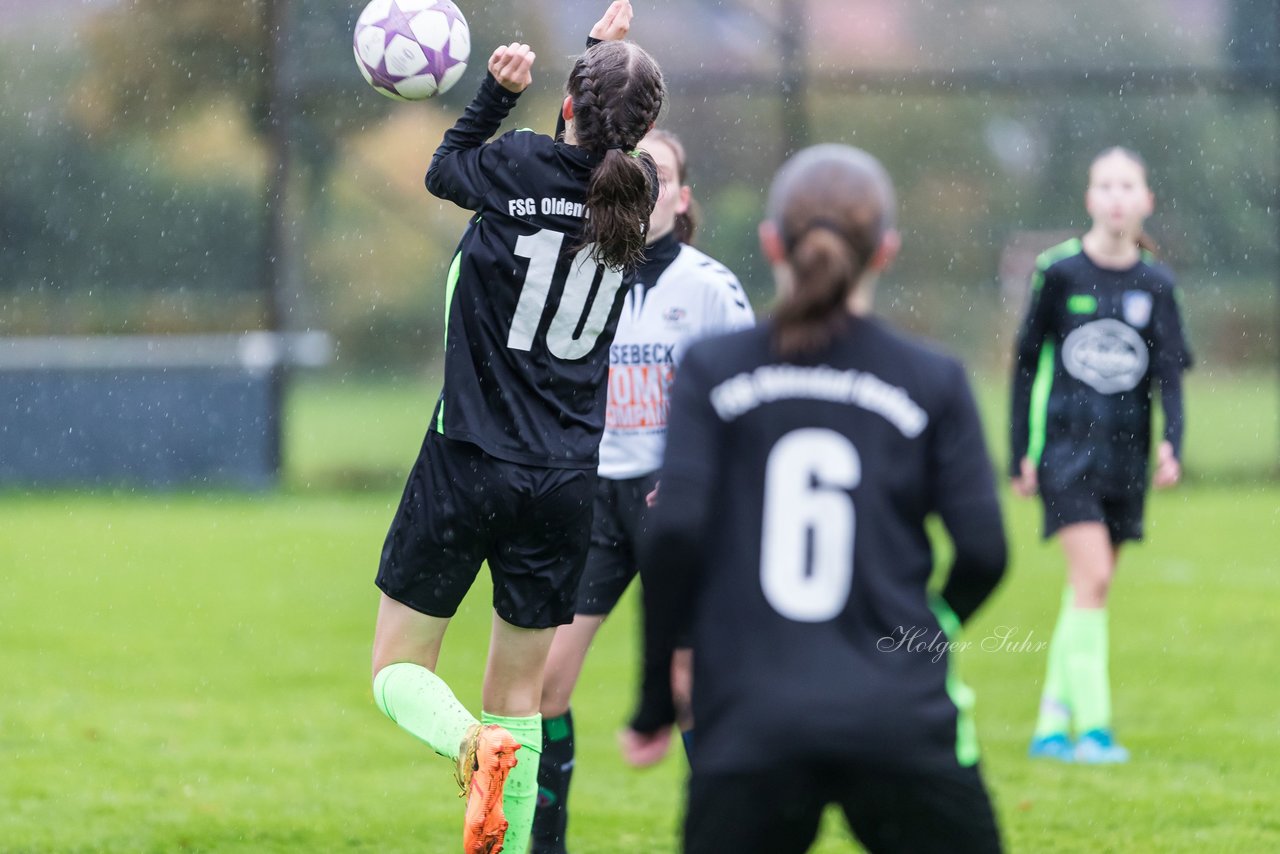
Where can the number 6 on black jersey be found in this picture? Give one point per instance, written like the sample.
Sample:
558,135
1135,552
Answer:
806,544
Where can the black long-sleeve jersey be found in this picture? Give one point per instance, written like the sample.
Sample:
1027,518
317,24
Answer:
1092,341
528,320
789,540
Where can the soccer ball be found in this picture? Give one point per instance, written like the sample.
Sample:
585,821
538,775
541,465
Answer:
412,49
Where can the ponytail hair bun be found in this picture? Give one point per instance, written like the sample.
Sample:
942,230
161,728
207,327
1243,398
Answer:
831,205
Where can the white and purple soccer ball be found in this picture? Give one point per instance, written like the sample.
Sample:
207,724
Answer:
412,49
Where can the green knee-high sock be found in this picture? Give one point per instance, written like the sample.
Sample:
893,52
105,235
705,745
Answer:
1090,684
1055,701
420,702
520,796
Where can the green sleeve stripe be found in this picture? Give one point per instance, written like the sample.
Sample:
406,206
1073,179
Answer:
961,695
1038,415
1043,383
1054,254
455,269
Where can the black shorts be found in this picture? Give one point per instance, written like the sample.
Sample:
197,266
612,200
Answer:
619,521
1121,512
777,811
462,507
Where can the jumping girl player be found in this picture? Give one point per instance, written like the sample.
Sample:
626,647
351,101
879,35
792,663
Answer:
680,295
506,473
803,458
1103,322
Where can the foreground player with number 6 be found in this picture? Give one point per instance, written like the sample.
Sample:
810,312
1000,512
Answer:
803,458
506,473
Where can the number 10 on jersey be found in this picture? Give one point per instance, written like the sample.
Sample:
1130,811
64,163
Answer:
584,304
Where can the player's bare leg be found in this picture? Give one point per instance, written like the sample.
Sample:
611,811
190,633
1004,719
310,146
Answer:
682,696
403,634
682,687
555,769
406,649
564,663
512,694
1091,565
1091,562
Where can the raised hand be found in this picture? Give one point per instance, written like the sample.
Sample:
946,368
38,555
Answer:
512,66
616,22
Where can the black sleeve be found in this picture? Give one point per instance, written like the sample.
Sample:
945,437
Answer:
671,555
458,171
1172,356
964,495
1026,362
559,135
1171,403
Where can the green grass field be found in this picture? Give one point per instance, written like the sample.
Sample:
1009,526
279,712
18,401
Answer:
189,672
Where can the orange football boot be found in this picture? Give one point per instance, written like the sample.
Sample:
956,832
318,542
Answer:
488,755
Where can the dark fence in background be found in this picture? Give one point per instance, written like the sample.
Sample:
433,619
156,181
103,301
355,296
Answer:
157,412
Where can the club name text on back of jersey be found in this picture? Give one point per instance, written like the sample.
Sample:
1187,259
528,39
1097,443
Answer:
742,393
546,207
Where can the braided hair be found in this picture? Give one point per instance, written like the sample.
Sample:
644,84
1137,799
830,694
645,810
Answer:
617,91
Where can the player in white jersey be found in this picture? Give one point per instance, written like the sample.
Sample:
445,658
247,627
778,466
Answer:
680,295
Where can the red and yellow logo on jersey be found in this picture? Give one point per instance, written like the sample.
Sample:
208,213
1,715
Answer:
638,397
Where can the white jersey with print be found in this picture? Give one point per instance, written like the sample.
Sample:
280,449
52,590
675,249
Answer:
696,296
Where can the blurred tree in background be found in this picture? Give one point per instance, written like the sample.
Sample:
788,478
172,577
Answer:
175,96
137,165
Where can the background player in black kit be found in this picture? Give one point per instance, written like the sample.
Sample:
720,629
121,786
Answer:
1102,324
803,459
507,470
